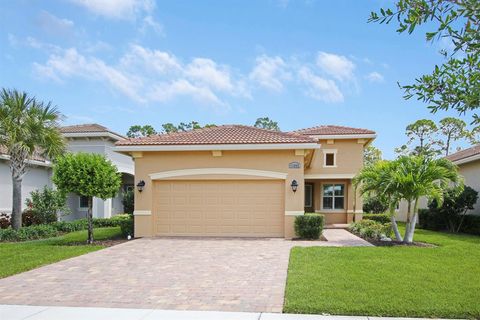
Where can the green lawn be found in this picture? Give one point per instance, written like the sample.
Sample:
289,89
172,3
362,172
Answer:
22,256
443,281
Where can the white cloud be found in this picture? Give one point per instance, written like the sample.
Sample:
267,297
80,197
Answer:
73,64
320,88
150,22
207,72
374,77
54,25
337,66
167,91
270,72
151,60
117,9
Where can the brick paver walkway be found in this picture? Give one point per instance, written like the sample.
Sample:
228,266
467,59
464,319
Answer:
168,273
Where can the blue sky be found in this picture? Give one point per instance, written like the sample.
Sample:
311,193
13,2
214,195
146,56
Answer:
302,63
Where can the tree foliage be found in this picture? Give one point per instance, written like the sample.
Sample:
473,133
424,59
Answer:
87,174
371,155
455,84
47,204
408,178
431,139
183,127
137,131
452,129
266,123
457,202
28,127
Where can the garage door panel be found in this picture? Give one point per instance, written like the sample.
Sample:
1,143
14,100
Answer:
219,208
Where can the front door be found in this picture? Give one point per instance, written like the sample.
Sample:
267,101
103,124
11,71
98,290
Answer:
309,198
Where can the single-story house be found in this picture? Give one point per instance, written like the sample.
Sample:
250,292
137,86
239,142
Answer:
92,138
242,181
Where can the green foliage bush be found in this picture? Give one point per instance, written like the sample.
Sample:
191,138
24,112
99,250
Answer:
371,229
374,205
35,232
42,231
309,226
128,201
451,216
380,217
4,220
44,206
126,225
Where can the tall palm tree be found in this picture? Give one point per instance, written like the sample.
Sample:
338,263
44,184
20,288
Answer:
27,127
376,180
420,176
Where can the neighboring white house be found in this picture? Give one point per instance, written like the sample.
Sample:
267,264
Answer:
468,162
92,138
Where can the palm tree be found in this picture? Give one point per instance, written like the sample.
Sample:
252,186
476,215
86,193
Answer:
376,180
27,127
420,176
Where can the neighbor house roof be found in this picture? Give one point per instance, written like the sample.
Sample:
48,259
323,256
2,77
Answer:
465,155
90,129
37,158
330,130
226,134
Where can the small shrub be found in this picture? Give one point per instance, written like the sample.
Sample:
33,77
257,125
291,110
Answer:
309,226
4,220
30,218
128,201
41,231
374,205
371,229
45,205
127,225
378,217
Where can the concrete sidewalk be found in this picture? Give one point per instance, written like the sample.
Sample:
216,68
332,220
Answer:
17,312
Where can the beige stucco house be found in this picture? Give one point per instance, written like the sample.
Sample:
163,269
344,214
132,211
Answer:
468,162
243,181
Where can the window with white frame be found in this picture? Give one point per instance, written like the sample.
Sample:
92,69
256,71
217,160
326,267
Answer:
83,202
333,197
329,158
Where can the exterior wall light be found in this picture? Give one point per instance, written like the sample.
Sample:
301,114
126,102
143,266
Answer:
294,185
140,185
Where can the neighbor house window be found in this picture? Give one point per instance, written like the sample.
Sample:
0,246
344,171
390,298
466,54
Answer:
333,196
83,202
329,158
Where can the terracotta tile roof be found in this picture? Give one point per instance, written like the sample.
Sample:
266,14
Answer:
226,134
463,154
333,130
87,128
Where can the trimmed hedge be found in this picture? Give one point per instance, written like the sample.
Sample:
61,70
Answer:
309,226
431,220
378,217
42,231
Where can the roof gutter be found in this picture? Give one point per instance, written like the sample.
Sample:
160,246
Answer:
467,159
210,147
341,136
113,136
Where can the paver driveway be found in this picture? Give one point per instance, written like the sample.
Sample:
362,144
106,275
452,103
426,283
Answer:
165,273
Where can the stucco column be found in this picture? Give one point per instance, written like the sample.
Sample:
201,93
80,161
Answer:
294,201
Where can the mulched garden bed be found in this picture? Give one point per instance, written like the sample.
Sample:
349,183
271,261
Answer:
105,243
394,243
